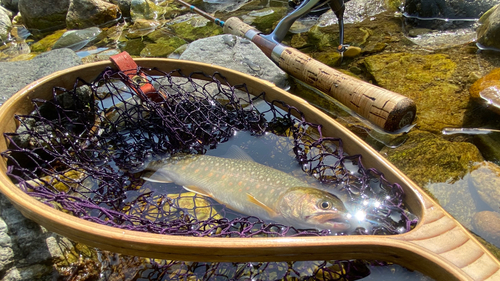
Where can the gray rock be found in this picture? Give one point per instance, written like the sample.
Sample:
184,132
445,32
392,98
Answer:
5,23
77,39
488,34
6,252
16,75
88,13
235,53
44,15
31,259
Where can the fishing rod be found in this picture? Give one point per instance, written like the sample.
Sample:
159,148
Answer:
384,108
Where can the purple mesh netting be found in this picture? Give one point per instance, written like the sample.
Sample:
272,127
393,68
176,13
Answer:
84,151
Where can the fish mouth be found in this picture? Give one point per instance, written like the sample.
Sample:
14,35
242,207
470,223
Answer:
335,222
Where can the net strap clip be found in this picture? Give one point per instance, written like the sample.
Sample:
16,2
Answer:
126,64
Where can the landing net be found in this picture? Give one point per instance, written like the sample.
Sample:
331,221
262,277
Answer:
84,152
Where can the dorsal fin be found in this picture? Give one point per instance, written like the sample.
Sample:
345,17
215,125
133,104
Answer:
234,152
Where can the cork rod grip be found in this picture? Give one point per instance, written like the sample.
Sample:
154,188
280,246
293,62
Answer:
386,109
389,110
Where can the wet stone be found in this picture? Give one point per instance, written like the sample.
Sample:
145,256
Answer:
456,198
485,178
77,39
243,56
487,225
486,90
90,13
44,15
47,42
426,158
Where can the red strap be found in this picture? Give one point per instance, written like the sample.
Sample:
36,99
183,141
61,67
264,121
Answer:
125,63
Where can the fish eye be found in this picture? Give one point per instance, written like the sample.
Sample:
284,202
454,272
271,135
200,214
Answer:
325,205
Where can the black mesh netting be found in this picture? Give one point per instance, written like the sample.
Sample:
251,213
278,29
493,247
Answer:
85,151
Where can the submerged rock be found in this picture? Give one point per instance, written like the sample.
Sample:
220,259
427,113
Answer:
90,13
141,27
191,27
426,80
146,9
44,15
487,225
456,198
486,90
77,39
488,34
235,53
47,42
265,19
426,158
162,47
485,178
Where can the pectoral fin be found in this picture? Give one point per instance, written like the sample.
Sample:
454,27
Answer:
197,190
272,213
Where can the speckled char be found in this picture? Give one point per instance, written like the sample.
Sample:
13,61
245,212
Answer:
254,189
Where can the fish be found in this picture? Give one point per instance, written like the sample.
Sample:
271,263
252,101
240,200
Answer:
250,188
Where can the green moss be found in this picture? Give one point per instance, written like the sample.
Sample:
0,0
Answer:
270,17
193,30
393,5
133,47
425,158
46,43
162,48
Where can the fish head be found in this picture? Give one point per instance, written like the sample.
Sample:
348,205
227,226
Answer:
308,207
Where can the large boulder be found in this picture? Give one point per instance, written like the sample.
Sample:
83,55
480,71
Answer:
235,53
44,15
16,75
88,13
